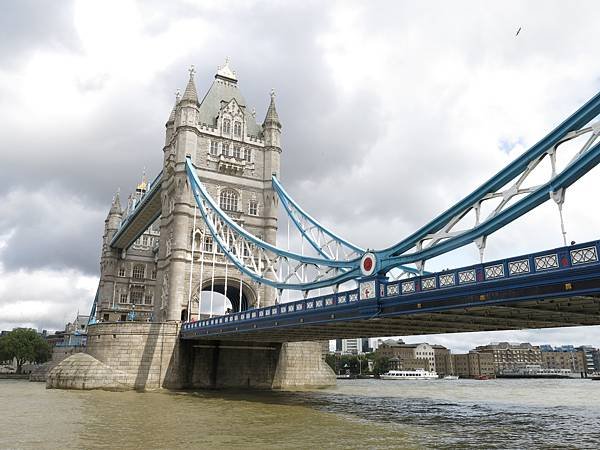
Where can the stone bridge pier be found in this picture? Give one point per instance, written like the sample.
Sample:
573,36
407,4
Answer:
146,356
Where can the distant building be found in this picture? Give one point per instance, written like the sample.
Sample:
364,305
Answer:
473,365
415,356
588,352
508,356
596,358
564,357
76,331
352,346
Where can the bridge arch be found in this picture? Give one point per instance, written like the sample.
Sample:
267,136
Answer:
248,297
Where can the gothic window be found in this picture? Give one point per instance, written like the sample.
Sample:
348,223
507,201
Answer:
248,154
207,244
226,149
139,271
137,295
123,298
122,271
228,200
214,148
237,129
148,299
237,153
153,274
253,208
226,126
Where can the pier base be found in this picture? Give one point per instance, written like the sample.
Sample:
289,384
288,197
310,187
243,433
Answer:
145,356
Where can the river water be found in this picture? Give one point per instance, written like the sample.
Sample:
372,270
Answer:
361,414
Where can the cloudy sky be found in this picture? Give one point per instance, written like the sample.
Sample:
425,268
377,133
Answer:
391,111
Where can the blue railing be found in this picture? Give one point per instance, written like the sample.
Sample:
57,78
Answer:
557,259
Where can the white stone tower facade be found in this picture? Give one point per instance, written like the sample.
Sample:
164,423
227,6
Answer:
235,158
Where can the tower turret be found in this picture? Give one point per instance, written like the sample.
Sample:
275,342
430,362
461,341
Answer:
113,219
170,125
272,125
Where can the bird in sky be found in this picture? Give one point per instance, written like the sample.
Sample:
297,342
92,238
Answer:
518,31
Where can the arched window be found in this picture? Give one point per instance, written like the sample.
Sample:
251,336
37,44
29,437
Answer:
214,148
228,200
248,154
237,153
139,272
226,126
137,295
237,129
226,149
253,208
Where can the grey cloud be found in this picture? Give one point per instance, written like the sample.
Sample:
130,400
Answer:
49,228
28,25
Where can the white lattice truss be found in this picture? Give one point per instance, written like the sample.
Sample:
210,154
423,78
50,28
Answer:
511,193
262,261
327,244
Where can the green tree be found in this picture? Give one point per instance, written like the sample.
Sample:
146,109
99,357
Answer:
24,344
381,365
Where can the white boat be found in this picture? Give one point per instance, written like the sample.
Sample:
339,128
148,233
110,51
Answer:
417,374
451,377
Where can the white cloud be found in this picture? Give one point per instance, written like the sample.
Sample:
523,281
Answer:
44,299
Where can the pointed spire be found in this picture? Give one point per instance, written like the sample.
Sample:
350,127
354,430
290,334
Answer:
272,117
115,207
190,90
177,98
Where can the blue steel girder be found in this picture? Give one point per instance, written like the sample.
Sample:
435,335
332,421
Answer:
438,232
541,194
327,243
260,260
557,273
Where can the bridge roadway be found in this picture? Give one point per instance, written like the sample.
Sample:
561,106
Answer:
554,288
140,219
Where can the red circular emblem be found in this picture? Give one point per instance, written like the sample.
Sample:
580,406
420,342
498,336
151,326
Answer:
367,264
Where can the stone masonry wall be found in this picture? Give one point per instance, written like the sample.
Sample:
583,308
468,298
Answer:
148,353
258,365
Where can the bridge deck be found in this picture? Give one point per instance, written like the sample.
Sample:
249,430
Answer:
145,213
555,288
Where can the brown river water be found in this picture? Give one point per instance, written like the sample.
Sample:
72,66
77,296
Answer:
357,414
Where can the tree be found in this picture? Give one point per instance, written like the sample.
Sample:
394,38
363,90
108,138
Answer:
24,344
380,365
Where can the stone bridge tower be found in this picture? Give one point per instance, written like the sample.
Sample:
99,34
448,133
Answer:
235,158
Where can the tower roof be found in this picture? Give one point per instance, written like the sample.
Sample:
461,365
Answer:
272,112
190,92
225,89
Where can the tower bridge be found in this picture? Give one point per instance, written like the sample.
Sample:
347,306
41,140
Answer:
207,225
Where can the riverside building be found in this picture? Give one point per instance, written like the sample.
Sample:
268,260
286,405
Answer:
507,356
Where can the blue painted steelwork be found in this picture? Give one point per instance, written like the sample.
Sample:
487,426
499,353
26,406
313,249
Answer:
92,317
565,179
292,209
202,197
576,121
476,285
153,189
289,204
